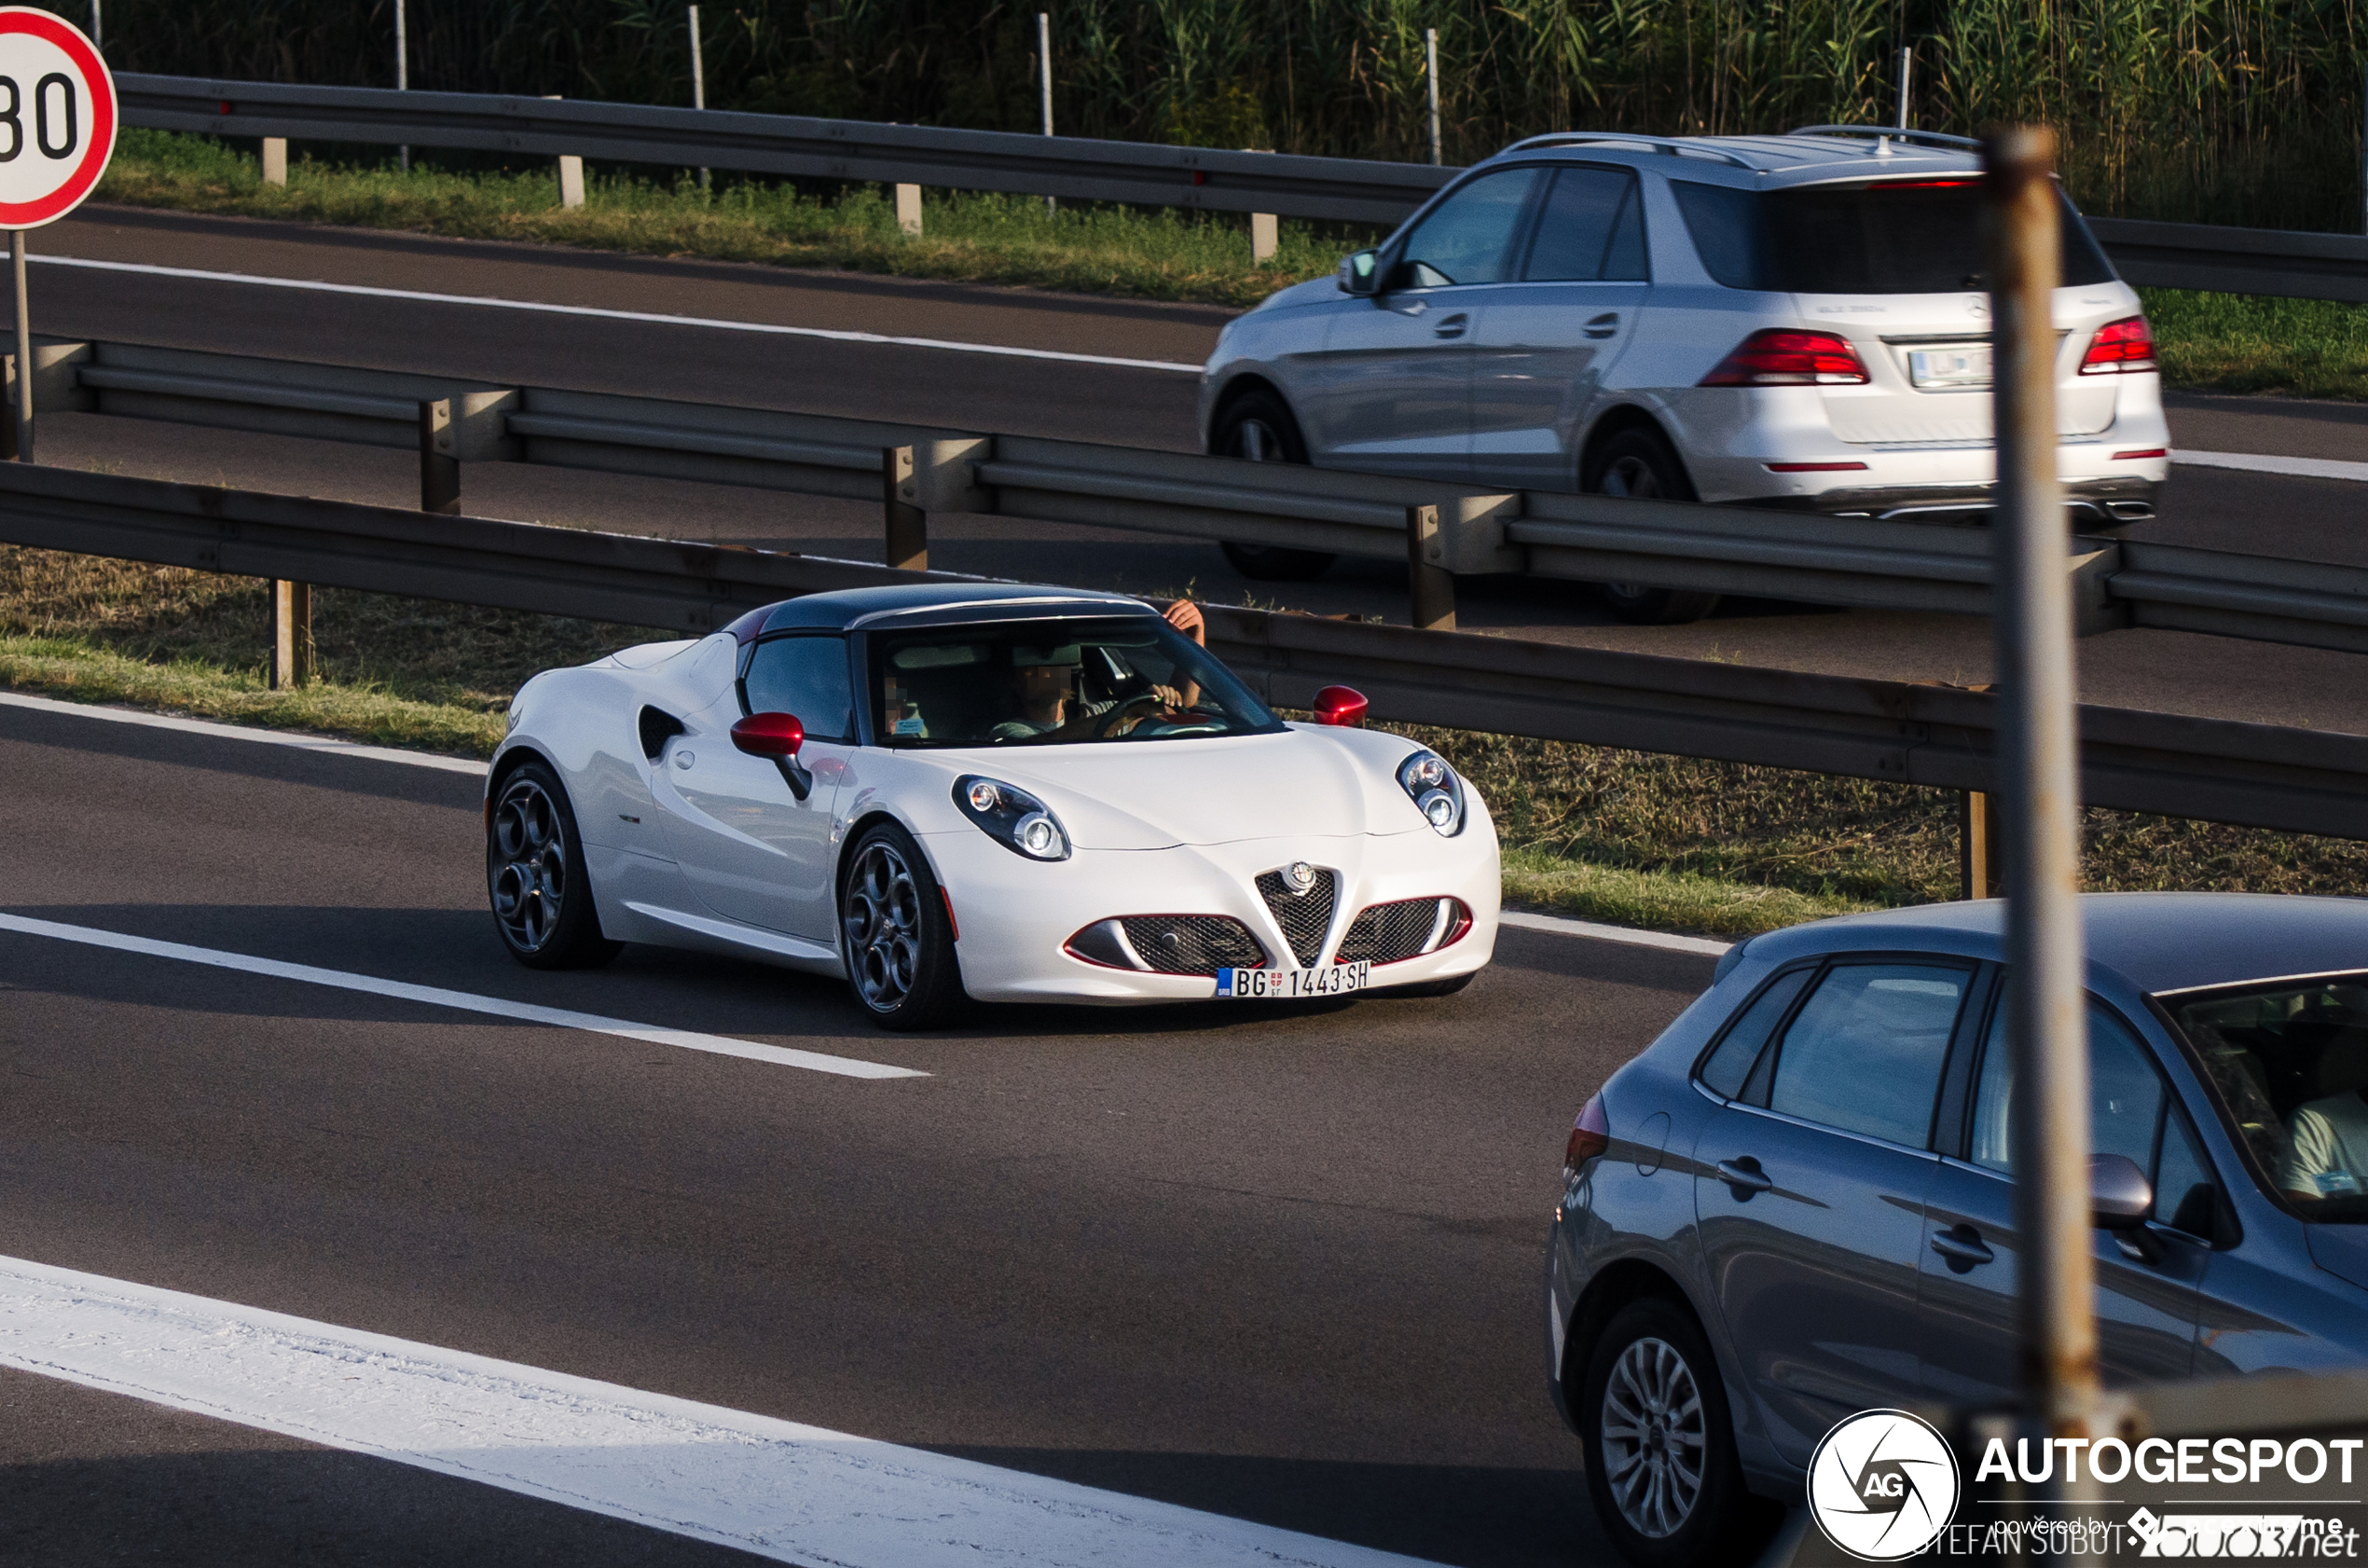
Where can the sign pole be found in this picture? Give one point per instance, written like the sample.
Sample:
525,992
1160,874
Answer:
24,350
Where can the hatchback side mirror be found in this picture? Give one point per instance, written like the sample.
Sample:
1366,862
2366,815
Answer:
1360,273
769,735
2119,1195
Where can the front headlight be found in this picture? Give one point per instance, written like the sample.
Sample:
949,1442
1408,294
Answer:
1434,790
1012,818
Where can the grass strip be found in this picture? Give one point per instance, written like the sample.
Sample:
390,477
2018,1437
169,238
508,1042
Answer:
1622,837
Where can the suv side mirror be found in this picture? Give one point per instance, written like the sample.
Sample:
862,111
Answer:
1360,272
2119,1195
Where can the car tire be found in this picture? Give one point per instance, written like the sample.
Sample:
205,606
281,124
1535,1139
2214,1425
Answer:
1651,1401
1258,427
535,877
1639,462
896,933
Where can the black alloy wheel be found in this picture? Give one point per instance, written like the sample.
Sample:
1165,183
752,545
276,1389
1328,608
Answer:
1659,1447
1639,463
535,879
1257,427
896,935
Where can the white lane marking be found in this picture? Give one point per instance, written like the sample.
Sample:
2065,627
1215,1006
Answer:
2305,468
435,995
1588,929
316,286
780,1488
322,743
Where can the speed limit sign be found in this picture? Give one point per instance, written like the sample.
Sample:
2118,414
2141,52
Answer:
57,117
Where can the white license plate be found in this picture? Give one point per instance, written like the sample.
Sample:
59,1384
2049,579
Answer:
1335,980
1968,366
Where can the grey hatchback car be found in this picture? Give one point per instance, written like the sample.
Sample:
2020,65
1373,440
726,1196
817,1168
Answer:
1798,1203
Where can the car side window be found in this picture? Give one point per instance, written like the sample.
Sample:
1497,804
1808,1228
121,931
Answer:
2125,1093
1727,1066
1591,228
1866,1051
2186,1194
1726,226
806,677
1468,238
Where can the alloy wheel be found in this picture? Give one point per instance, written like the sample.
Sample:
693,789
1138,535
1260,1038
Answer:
1655,1438
881,912
530,873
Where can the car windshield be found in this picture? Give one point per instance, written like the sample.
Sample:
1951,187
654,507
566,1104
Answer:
2289,1063
1054,682
1900,237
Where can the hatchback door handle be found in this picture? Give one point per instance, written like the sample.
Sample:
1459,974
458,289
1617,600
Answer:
1964,1248
1453,326
1744,1175
1604,325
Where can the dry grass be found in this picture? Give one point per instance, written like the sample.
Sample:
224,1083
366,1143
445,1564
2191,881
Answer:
1664,843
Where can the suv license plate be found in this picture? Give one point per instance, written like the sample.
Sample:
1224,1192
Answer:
1968,366
1335,980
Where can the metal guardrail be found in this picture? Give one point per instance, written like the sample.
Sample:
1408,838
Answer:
2253,774
2298,265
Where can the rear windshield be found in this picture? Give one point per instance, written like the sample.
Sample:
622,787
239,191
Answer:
1049,683
2289,1063
1912,236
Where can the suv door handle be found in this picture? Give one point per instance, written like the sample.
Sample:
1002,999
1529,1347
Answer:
1453,326
1744,1175
1962,1245
1604,325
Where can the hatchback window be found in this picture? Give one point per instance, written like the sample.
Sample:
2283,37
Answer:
804,676
1895,237
1467,237
2289,1063
1866,1051
2125,1095
1731,1062
1591,228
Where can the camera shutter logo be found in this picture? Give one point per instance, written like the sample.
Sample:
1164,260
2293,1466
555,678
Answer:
1882,1486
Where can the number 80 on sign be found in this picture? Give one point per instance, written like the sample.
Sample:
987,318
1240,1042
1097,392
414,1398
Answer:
57,117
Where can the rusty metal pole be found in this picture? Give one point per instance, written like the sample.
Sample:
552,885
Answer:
2056,1301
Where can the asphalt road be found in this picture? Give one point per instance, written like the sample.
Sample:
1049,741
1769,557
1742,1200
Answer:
1281,1265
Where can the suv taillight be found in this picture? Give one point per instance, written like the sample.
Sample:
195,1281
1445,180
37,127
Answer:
1591,1136
2122,345
1780,357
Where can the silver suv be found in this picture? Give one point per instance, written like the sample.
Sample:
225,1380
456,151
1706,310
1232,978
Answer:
1796,321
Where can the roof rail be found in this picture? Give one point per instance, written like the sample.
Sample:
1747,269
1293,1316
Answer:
1674,146
1891,132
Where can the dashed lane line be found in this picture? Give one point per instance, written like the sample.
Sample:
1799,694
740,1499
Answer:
778,1489
314,286
2252,462
1522,920
322,744
436,995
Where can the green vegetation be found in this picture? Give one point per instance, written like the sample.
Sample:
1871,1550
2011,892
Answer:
2230,111
2245,343
1664,843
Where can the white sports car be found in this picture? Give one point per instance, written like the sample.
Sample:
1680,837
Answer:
999,792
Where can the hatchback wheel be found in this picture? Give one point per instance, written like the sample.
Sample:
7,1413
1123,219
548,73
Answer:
896,935
1257,428
534,876
1661,1452
1639,464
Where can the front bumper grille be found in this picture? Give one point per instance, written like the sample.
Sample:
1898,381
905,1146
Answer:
1384,933
1191,944
1305,917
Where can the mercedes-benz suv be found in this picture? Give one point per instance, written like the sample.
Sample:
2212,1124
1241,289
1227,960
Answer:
1796,321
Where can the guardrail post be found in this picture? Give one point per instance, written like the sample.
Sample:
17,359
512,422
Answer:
1430,588
292,660
908,208
1980,845
907,523
440,469
275,161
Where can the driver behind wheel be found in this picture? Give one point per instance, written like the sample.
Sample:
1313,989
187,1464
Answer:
1045,688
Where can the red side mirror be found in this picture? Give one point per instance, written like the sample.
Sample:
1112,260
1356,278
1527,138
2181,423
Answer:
1340,704
769,735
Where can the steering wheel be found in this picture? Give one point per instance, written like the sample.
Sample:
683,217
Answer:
1126,712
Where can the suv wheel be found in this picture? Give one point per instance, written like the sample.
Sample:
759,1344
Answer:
1661,1453
1257,428
1638,462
